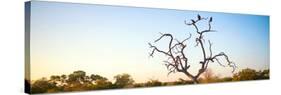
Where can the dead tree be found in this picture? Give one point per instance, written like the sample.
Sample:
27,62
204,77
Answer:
177,58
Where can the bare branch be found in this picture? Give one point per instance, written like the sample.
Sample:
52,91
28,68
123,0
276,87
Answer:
219,62
181,43
222,54
155,48
204,31
210,49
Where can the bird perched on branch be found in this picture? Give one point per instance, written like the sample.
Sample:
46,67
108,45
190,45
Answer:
211,19
199,17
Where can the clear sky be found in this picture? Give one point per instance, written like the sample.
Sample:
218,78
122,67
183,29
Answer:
110,40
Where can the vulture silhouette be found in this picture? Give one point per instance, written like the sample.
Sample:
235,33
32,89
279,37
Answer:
211,19
199,17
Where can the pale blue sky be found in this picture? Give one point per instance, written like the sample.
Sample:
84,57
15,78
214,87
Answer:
110,40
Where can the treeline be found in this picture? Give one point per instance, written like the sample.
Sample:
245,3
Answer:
79,81
243,75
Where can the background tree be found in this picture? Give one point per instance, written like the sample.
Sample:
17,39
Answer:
55,79
42,86
209,76
153,82
264,74
123,80
63,80
177,60
95,77
101,82
251,74
78,81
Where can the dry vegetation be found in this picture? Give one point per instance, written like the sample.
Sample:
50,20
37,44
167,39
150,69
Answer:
79,81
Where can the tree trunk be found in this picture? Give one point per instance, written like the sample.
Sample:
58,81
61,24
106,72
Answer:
195,81
194,78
